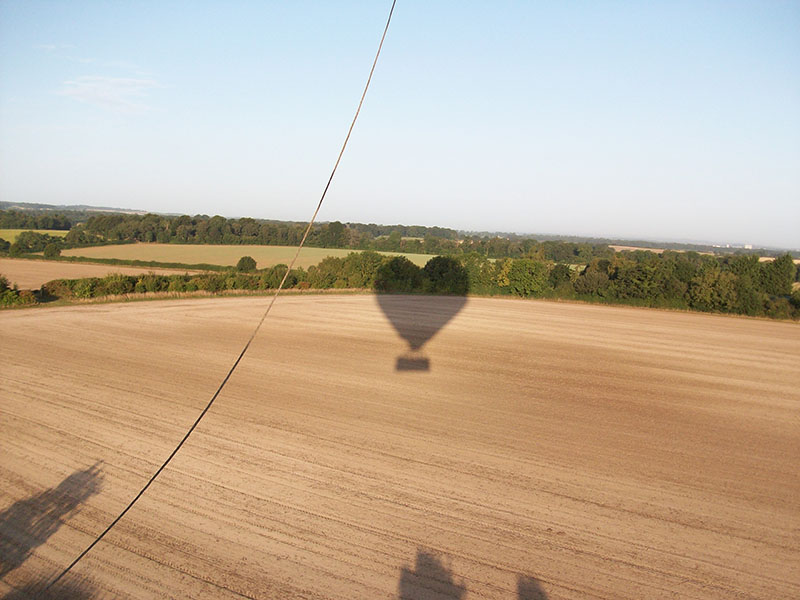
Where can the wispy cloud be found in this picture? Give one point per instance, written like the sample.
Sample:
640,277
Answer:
116,94
53,47
66,52
108,64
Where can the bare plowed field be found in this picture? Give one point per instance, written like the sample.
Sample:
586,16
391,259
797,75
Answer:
31,274
548,451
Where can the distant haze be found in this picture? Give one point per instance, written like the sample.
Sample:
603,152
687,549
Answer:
662,121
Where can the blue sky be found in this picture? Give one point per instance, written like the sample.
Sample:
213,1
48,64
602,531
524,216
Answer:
649,120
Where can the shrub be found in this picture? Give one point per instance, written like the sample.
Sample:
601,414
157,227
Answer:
211,282
326,273
779,308
116,284
794,299
246,264
445,275
360,268
10,296
241,281
177,283
527,277
52,250
57,288
271,278
151,283
13,297
479,272
85,288
560,274
398,274
26,297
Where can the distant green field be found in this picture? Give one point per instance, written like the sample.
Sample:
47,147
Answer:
10,235
265,256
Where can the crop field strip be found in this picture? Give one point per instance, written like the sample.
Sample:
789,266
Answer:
10,235
193,254
31,274
607,452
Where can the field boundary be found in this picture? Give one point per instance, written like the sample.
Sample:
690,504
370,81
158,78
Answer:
226,255
123,262
206,295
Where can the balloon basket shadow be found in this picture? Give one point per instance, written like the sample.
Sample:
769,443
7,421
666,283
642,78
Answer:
411,362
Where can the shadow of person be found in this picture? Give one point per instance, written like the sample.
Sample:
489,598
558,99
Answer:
528,588
430,580
417,318
29,523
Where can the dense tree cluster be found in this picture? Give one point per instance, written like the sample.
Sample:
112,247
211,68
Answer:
32,241
16,219
732,284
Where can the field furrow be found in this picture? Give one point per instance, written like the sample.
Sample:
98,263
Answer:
550,451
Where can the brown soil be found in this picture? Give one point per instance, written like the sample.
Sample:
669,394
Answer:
31,274
550,451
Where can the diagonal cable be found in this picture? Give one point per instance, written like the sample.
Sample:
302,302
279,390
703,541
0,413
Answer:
255,331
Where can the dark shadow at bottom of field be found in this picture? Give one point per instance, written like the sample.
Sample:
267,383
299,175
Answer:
417,319
528,588
63,590
430,579
42,297
29,523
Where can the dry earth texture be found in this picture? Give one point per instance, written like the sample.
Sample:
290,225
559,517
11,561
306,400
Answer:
31,274
193,254
550,451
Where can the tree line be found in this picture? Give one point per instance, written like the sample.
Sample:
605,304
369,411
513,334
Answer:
691,281
90,228
115,229
17,219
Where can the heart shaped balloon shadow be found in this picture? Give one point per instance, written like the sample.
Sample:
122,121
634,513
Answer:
417,318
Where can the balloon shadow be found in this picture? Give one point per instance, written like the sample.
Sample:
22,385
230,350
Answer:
417,318
29,523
